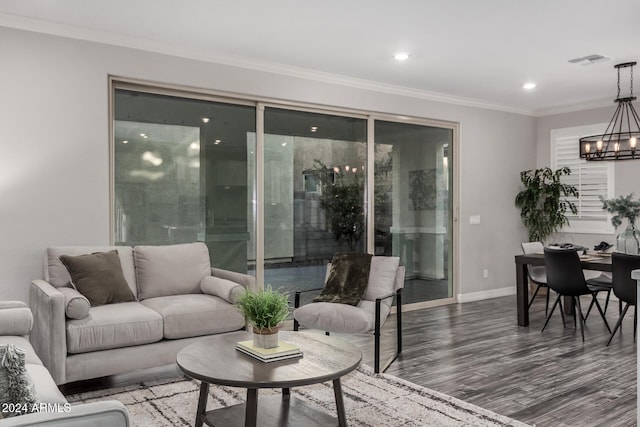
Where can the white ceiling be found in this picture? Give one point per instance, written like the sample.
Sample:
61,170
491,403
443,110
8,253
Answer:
476,52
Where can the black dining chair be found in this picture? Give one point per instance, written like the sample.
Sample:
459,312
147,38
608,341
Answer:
538,273
565,276
624,287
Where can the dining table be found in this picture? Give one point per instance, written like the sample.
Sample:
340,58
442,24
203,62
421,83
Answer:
595,262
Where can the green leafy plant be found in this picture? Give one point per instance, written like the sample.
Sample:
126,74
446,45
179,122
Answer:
544,201
265,309
343,202
622,207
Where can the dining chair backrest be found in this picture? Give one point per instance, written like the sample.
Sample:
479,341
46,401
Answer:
624,287
537,273
564,272
532,248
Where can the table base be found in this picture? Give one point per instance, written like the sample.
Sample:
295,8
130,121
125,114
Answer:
278,410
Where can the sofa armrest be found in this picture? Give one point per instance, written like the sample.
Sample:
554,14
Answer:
226,289
247,281
12,304
48,336
108,413
15,318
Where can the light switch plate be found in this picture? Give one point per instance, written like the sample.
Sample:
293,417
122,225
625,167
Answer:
474,219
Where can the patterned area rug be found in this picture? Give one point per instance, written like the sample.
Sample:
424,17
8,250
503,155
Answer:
371,400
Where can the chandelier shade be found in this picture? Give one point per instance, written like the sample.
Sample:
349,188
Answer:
619,141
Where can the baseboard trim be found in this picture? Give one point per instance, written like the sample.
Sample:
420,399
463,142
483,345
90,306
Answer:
491,293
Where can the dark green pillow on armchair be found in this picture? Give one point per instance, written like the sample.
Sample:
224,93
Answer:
348,279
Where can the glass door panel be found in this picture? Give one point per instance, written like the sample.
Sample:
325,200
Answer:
314,187
413,207
181,174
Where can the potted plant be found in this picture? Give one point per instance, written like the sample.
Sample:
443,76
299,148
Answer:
342,202
265,310
624,207
544,201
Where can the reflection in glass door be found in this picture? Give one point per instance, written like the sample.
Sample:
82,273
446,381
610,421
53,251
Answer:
413,205
181,173
314,187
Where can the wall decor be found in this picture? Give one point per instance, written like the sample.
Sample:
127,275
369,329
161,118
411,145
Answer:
422,189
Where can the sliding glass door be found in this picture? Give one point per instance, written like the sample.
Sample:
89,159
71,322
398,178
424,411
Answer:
413,205
188,167
314,188
181,174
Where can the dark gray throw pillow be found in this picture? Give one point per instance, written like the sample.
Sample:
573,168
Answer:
348,279
99,277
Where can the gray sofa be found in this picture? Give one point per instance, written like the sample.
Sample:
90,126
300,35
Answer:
15,324
180,299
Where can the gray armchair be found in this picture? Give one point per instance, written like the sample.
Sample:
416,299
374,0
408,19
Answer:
386,281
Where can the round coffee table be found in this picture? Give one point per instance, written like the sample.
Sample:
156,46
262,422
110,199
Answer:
216,361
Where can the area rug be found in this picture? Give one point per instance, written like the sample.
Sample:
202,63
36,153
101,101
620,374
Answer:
371,400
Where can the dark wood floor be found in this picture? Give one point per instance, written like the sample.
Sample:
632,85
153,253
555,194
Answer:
476,352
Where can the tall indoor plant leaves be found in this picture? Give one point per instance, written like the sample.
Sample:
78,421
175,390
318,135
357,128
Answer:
544,201
342,202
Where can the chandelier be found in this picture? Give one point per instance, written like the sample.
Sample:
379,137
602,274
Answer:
620,138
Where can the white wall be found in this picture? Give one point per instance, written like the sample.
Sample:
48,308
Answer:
54,179
627,173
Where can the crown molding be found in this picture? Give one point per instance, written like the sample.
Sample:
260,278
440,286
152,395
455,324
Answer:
572,108
139,43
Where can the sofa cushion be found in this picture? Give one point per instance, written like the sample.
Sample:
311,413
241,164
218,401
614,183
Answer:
56,273
339,318
45,388
99,277
171,270
192,315
113,326
76,305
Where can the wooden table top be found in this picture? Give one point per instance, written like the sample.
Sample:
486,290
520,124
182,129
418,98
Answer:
589,262
216,361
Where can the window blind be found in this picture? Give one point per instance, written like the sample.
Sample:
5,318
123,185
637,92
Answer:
590,178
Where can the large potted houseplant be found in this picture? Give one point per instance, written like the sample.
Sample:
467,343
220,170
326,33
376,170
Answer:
342,198
544,201
265,310
625,207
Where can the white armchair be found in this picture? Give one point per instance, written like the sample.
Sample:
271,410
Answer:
386,281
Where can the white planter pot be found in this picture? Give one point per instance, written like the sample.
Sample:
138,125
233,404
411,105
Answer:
265,340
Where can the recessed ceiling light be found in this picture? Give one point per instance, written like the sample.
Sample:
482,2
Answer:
216,142
205,120
401,56
124,141
529,86
314,129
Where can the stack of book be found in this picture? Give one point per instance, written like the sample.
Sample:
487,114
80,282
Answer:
283,351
